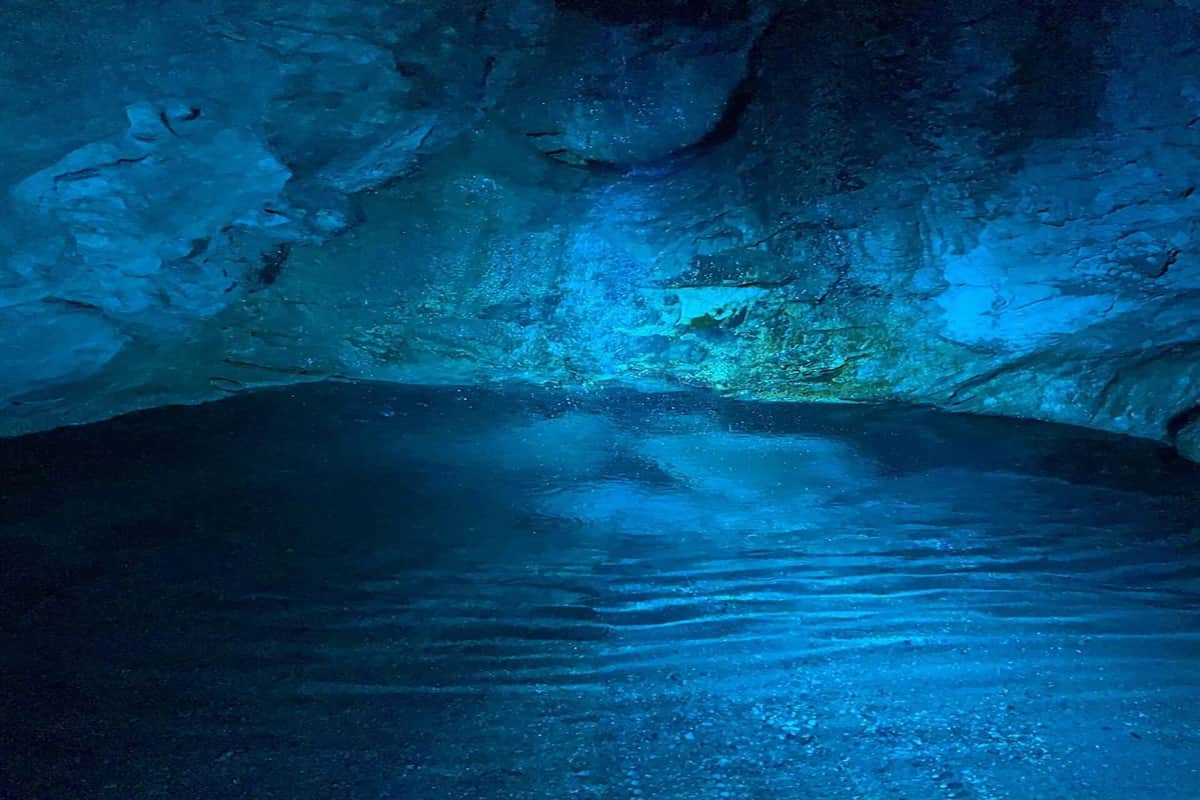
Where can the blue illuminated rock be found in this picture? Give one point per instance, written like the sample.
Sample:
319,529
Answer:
1187,440
988,207
622,95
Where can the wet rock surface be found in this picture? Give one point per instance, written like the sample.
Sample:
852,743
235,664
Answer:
985,206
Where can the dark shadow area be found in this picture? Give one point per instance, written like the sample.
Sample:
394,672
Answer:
698,13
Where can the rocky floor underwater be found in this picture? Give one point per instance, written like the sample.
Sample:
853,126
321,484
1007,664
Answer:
360,591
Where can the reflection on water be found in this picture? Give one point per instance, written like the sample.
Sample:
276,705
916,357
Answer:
369,592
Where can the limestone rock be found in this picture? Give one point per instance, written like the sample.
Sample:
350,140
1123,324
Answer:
988,206
1187,441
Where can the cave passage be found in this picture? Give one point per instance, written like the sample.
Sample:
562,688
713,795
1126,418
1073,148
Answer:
369,591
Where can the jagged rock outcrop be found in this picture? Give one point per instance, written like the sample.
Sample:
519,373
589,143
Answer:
988,206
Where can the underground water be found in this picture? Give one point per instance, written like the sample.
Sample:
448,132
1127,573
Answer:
600,400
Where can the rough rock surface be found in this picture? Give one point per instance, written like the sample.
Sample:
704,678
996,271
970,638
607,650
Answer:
984,205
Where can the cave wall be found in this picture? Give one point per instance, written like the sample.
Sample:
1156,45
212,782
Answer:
984,205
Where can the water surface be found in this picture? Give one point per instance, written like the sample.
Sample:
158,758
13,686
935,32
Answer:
339,591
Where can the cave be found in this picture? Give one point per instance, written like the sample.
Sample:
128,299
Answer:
598,399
